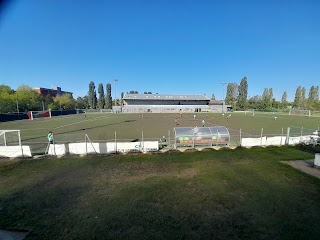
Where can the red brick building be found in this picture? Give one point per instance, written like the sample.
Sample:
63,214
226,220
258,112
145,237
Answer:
55,91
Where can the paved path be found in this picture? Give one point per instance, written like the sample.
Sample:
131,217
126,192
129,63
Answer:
306,166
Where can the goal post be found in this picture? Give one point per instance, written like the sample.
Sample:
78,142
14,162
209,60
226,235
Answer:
10,144
10,138
39,114
300,112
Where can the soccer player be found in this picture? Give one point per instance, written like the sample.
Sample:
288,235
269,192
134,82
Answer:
50,137
203,123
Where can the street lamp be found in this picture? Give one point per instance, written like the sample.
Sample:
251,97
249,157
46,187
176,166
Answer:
223,96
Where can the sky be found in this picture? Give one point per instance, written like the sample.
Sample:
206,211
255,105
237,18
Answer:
161,46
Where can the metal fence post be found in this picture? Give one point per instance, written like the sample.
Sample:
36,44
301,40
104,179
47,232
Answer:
169,142
288,136
142,142
261,137
240,137
115,141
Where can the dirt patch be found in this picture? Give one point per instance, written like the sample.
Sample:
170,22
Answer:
306,166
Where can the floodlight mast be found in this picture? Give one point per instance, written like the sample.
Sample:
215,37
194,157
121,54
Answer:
223,95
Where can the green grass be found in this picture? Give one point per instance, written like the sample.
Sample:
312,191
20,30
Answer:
128,127
225,194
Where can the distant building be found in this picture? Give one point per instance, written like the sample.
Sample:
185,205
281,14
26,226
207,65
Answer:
55,91
158,103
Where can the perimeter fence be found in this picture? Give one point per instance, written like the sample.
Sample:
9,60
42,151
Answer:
82,143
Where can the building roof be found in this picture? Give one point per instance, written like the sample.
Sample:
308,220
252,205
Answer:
180,97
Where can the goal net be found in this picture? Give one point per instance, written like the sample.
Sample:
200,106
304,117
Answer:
10,145
300,112
10,138
39,114
249,112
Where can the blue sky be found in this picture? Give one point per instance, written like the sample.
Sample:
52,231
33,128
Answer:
163,46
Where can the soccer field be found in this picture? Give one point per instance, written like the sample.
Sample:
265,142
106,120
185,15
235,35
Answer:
129,127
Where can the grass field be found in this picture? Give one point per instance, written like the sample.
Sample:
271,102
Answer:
225,194
129,127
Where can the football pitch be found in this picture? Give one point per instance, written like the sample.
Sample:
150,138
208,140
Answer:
105,127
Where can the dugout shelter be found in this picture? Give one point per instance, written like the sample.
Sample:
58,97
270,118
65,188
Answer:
201,136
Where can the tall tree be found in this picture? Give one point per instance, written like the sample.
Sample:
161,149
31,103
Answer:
122,94
213,97
271,99
266,98
311,94
303,98
242,94
231,95
284,101
92,96
297,97
108,96
316,93
313,98
101,100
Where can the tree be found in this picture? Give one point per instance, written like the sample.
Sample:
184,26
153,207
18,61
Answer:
82,103
284,101
101,100
213,97
313,97
242,94
108,96
28,99
133,92
231,95
5,89
92,96
64,101
297,97
267,98
271,99
256,102
303,98
122,94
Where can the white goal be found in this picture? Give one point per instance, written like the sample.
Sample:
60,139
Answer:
10,144
10,138
39,114
294,111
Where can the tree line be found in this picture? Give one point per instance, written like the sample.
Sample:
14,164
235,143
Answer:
24,99
237,97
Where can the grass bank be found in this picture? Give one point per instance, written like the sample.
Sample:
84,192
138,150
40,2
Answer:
225,194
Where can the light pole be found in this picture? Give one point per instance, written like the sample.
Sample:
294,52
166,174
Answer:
223,98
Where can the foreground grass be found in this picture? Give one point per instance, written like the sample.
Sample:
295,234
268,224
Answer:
226,194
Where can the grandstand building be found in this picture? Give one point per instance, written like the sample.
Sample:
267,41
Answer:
158,103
